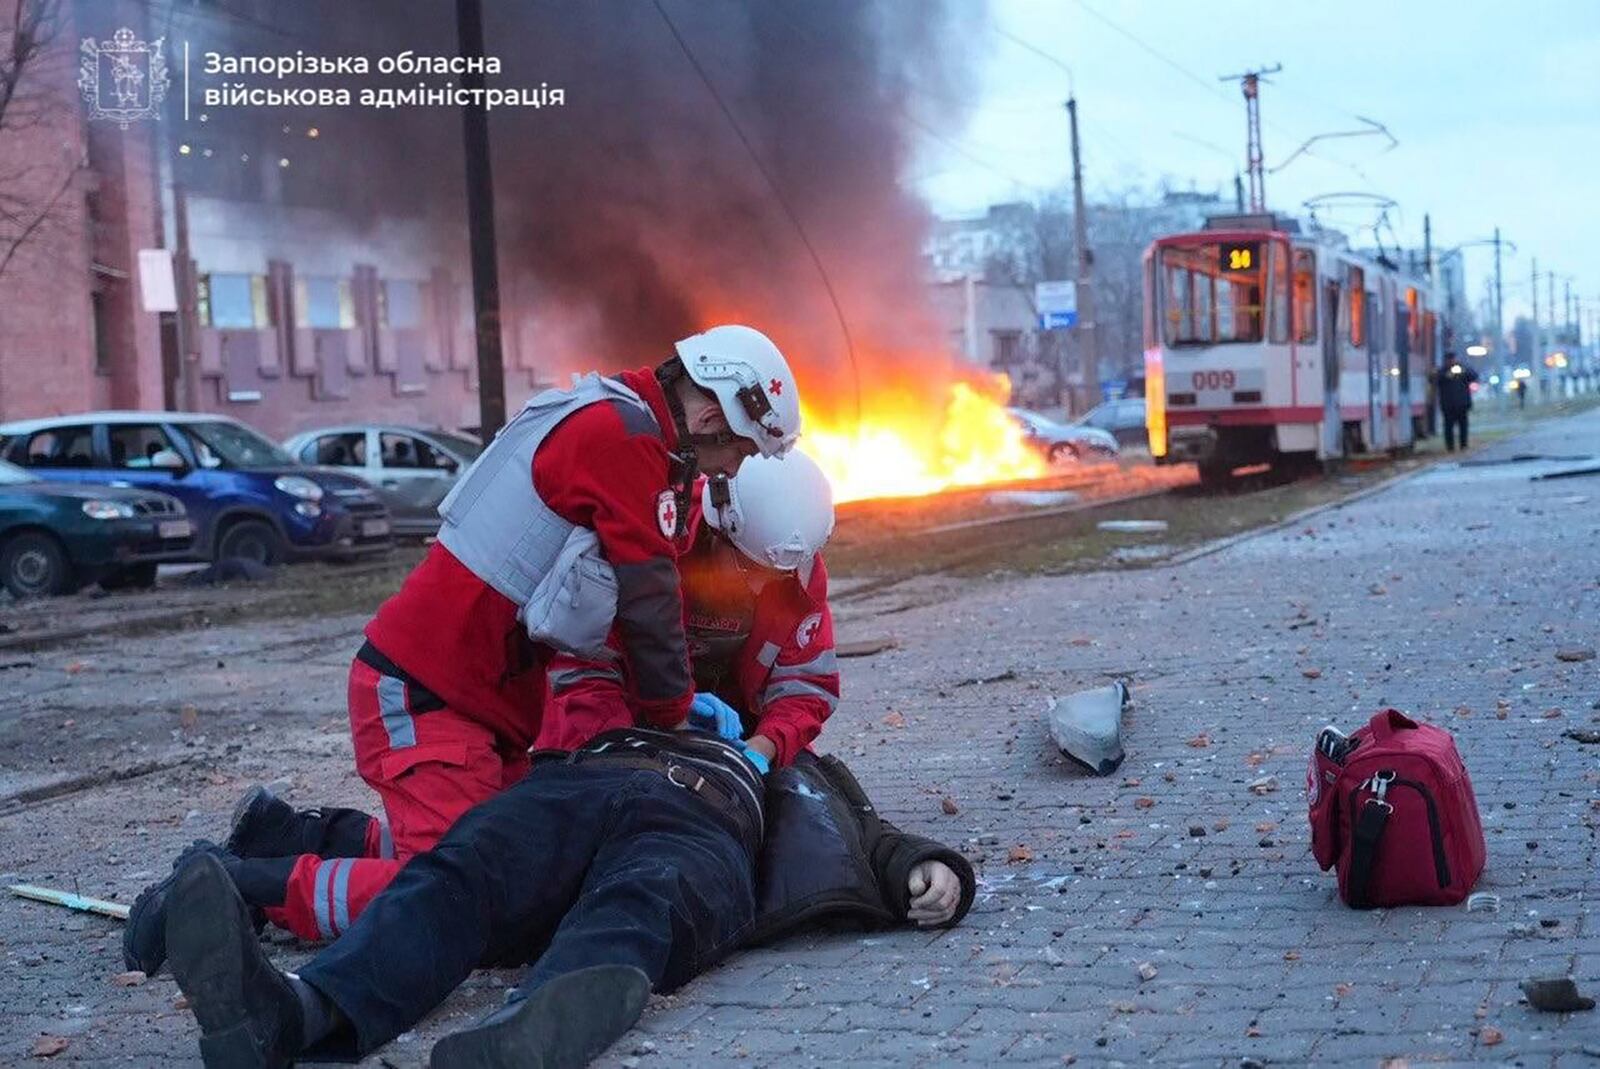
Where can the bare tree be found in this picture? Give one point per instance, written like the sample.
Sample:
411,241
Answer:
32,185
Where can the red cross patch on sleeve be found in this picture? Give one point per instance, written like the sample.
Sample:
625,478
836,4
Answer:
667,513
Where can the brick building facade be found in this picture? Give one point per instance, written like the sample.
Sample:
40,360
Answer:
302,314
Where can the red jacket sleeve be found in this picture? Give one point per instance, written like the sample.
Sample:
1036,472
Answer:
802,689
605,467
586,698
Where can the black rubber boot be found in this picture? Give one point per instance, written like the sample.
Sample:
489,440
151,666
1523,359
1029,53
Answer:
144,937
264,825
565,1024
248,1013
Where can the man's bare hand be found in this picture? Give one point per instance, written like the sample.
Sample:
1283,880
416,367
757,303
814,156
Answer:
935,892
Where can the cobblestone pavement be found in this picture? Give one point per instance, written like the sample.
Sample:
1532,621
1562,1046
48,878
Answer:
1447,594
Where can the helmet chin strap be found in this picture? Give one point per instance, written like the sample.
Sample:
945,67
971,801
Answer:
686,461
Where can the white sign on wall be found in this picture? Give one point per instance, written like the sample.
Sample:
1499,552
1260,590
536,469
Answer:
157,287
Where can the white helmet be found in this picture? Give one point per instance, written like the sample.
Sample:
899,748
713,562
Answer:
752,383
779,513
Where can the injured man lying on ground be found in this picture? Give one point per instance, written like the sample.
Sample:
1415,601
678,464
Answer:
633,863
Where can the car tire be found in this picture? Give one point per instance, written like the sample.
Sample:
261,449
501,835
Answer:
132,577
1063,452
34,564
251,540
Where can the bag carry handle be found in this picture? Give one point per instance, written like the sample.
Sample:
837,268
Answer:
1364,850
1389,721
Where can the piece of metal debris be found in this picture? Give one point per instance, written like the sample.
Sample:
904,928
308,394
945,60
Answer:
865,647
82,903
1087,726
1133,526
1555,995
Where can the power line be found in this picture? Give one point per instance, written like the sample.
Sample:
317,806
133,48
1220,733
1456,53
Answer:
1036,50
777,193
1204,83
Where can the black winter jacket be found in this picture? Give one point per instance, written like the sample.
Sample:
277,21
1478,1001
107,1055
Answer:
829,859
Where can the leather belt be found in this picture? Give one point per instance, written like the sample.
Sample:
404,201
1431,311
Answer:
679,774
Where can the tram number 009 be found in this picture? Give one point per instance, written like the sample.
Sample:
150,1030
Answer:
1213,380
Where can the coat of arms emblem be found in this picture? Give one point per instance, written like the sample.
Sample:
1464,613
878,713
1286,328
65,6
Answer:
124,79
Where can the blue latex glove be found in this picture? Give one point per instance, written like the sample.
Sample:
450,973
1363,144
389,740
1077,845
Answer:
759,759
710,713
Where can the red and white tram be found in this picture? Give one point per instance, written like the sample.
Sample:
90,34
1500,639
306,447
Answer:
1264,344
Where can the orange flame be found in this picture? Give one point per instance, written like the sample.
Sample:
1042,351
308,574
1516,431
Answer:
901,449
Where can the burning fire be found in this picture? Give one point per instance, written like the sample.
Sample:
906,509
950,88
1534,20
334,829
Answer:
903,450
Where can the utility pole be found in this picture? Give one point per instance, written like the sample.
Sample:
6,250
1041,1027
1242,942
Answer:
1567,319
187,334
1538,339
1499,294
1550,291
480,225
1238,192
1088,329
1427,246
1250,84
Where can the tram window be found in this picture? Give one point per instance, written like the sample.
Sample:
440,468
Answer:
1358,307
1414,318
1205,299
1305,295
1278,312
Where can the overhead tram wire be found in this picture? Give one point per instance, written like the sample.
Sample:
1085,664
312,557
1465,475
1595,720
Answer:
1209,86
777,193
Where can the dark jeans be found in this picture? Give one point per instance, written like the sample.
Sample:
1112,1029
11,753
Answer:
1455,420
596,864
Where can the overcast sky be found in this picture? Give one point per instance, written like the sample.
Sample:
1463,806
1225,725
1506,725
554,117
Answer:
1495,106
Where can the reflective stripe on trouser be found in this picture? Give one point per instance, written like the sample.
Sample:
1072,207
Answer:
325,895
428,769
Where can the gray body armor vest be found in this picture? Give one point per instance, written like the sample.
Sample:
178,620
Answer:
496,524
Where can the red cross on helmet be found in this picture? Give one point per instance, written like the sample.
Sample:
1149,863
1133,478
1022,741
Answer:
751,381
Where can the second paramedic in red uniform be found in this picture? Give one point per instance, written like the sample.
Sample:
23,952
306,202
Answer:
565,524
760,633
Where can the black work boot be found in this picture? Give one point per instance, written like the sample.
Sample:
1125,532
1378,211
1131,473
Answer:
249,1014
565,1024
260,881
264,825
144,937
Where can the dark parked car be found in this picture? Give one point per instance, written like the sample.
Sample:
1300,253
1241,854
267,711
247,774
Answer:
1063,441
412,467
55,537
1123,419
247,498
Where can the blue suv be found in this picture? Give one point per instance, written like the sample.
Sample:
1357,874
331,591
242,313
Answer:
247,498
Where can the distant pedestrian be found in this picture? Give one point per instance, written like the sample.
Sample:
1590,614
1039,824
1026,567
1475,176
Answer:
1454,381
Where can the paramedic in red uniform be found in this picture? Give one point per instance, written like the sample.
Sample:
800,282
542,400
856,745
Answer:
755,595
563,526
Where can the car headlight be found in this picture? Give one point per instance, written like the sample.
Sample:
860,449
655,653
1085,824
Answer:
298,486
108,510
308,509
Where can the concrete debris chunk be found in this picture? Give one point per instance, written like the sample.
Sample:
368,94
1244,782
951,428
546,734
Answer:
1557,995
1087,726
